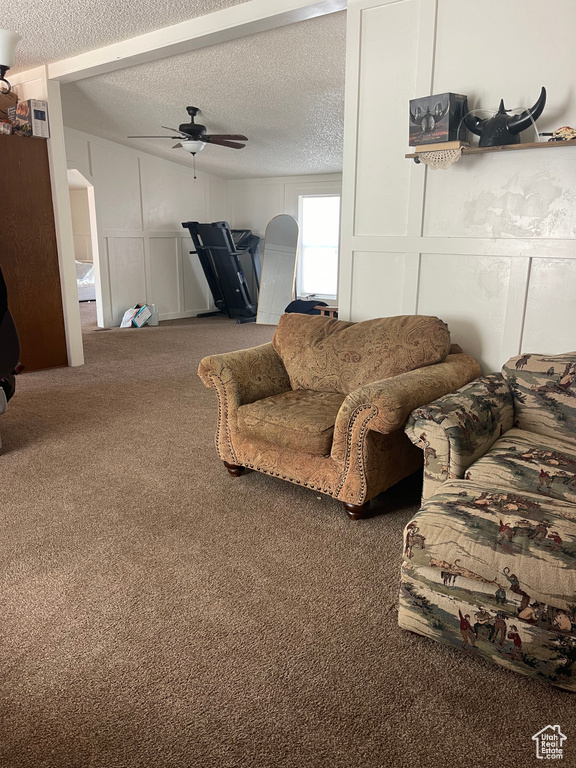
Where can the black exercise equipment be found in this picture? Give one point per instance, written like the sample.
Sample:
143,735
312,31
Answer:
247,243
220,250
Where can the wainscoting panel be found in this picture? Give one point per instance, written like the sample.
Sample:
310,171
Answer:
164,290
78,154
384,117
512,194
197,296
170,195
127,274
256,203
476,318
487,245
141,202
117,187
82,247
549,325
219,203
377,284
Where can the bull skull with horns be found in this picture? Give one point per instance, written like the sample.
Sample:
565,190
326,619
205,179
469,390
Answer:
503,128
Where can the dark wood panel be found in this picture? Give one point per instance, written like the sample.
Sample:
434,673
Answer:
28,251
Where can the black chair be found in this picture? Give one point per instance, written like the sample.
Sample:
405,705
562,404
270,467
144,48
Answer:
9,344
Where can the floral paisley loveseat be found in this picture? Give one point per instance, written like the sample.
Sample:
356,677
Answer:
489,560
324,404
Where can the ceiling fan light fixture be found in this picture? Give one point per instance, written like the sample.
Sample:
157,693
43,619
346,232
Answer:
193,146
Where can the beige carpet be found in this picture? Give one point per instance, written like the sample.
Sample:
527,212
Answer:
158,613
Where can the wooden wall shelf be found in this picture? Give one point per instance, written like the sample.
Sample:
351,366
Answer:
511,147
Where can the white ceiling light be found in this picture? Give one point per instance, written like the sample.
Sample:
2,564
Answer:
8,43
193,146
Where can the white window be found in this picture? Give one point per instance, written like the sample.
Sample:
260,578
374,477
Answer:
319,217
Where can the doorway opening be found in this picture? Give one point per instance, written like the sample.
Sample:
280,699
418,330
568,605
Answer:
83,210
319,218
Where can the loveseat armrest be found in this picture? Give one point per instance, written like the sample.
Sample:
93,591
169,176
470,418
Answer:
459,428
384,406
246,375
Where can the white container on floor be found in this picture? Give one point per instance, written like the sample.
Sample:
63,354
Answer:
154,319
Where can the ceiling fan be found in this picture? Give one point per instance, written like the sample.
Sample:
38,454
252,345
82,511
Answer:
193,137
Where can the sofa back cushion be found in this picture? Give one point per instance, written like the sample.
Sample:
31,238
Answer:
328,355
544,391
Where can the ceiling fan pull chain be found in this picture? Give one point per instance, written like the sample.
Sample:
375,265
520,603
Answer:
194,164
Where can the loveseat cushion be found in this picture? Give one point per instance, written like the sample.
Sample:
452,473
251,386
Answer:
301,420
484,571
544,392
467,528
328,355
526,461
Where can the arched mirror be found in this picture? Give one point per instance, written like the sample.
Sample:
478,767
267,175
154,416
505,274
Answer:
278,268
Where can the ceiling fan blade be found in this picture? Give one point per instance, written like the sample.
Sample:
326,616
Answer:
225,143
174,138
227,136
177,146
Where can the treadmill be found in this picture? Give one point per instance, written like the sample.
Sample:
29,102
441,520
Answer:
247,243
220,251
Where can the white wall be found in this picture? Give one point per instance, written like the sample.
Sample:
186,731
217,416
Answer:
141,202
81,224
253,202
487,245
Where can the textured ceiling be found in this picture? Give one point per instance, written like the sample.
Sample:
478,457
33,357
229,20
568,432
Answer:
54,30
283,89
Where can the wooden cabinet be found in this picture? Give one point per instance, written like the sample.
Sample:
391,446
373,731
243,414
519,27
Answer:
28,252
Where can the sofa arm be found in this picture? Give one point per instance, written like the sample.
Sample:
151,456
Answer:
460,427
240,378
385,405
246,375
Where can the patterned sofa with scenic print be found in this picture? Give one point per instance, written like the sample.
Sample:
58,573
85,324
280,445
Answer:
489,560
324,404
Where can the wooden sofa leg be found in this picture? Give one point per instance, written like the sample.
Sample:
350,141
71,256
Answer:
234,469
356,511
